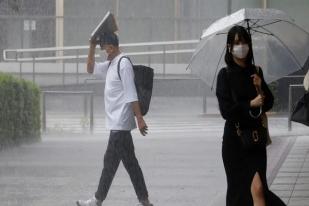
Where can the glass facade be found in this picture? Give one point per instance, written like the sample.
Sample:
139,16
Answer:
31,23
26,24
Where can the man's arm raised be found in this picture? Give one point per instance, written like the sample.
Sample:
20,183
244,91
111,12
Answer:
91,58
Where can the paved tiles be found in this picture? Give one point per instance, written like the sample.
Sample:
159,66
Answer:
292,180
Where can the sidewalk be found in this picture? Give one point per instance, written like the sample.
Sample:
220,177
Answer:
180,158
292,180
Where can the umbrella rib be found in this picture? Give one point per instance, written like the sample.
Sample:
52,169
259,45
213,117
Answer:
262,32
213,81
193,57
254,23
221,33
262,26
286,47
298,27
286,22
244,22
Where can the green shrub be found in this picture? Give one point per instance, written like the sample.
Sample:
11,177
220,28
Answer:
19,111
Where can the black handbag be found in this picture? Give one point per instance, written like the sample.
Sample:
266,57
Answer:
252,138
300,112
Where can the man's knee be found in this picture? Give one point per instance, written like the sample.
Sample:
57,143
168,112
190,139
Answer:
131,162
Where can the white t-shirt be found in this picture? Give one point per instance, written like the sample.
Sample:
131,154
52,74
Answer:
118,94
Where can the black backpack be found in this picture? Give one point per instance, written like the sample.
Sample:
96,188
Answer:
143,78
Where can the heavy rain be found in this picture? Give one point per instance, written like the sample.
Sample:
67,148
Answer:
53,120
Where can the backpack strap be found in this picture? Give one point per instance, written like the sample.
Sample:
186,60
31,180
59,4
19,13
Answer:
118,64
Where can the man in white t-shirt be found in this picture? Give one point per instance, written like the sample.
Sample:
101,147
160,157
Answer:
121,108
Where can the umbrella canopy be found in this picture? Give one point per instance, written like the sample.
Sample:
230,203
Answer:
280,47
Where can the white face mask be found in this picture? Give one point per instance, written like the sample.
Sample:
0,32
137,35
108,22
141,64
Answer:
240,51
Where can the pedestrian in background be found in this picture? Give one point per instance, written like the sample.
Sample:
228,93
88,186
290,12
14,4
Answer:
306,81
121,106
241,92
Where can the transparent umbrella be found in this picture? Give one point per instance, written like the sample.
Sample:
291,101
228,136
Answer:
280,46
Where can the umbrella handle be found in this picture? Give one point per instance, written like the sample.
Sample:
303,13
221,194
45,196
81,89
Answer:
256,116
259,91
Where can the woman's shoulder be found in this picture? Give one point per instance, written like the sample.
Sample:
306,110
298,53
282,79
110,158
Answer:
222,71
227,70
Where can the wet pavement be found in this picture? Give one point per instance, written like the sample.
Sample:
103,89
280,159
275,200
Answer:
180,158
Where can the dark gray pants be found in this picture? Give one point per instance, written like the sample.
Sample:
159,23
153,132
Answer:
121,148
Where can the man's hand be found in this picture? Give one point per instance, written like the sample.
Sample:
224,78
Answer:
143,128
93,41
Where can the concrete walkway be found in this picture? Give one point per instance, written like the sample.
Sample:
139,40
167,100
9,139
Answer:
292,180
180,158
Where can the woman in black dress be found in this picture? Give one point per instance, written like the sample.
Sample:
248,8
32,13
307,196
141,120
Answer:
241,92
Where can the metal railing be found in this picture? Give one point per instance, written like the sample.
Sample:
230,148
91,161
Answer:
77,53
33,51
34,56
291,89
86,94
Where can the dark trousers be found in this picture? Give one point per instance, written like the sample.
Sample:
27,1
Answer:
121,148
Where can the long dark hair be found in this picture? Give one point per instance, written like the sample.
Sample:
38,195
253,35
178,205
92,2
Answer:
244,36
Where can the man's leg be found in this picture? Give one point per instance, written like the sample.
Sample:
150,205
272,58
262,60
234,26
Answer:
127,154
111,163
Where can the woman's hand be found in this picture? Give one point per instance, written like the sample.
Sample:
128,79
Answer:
257,101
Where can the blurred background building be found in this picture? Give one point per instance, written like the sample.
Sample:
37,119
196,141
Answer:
49,23
67,23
